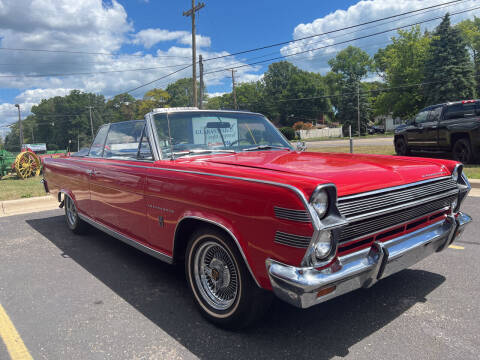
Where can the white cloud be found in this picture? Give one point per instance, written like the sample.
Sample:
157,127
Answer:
150,37
36,95
201,41
27,99
361,12
215,94
91,26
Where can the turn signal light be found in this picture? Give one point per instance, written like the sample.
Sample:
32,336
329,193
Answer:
326,291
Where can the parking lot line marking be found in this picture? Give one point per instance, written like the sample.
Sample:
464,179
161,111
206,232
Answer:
14,343
456,247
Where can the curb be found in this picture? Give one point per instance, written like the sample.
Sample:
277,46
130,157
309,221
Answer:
23,206
475,183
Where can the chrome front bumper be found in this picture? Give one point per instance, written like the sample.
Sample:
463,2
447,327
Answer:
305,287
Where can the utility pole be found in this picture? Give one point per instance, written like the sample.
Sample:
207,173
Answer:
358,108
234,93
191,13
200,65
91,121
20,126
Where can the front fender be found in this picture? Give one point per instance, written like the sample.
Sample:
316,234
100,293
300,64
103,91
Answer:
226,225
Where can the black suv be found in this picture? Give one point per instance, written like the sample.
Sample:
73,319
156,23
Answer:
450,127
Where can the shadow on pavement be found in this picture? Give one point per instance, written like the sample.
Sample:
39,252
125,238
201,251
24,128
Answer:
159,292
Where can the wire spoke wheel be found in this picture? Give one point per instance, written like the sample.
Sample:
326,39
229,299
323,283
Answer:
216,275
27,164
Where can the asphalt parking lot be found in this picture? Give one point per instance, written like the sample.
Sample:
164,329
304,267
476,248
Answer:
92,297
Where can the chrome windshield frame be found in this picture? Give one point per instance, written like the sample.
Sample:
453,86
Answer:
150,118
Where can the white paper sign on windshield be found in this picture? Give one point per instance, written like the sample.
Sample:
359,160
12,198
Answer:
210,135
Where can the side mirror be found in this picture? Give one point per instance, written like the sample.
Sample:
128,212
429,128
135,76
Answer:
301,146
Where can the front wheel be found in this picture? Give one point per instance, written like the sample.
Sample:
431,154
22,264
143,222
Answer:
222,288
401,147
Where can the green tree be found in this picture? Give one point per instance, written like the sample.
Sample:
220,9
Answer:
291,94
352,64
470,31
122,107
155,98
448,69
181,92
399,64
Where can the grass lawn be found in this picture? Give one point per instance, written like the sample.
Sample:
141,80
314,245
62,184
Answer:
472,171
12,188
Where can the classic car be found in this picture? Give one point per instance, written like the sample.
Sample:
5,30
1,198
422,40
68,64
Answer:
249,215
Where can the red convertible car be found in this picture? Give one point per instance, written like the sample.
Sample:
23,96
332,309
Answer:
225,193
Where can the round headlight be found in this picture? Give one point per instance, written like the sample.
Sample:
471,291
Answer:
320,203
323,245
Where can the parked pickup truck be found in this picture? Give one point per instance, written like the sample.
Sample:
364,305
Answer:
226,194
451,127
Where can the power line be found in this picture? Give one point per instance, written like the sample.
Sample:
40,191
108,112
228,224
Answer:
331,31
151,82
323,47
85,52
352,32
342,42
89,73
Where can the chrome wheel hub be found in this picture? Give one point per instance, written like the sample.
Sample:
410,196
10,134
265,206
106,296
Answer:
71,211
216,275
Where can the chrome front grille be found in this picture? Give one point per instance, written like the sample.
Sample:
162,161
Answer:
372,212
373,225
363,203
298,241
291,214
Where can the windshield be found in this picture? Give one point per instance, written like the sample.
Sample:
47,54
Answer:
194,133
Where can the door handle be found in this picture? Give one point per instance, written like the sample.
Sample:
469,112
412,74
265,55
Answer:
89,172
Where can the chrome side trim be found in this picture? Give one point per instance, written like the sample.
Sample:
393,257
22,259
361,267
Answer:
293,240
228,232
291,214
297,191
379,191
157,254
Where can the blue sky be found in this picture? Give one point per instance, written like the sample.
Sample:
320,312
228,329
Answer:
155,35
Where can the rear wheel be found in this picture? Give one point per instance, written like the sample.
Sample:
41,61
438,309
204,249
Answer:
401,147
77,225
222,288
462,151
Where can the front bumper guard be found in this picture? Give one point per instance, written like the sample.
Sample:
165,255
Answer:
305,287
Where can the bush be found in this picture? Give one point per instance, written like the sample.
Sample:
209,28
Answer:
288,132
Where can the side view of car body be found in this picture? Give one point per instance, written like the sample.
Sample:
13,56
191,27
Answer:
225,193
451,127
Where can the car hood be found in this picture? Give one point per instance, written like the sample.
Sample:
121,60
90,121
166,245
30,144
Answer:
351,173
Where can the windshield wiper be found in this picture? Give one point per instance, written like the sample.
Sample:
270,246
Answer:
266,147
202,151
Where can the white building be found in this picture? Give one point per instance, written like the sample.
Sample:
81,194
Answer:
387,121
